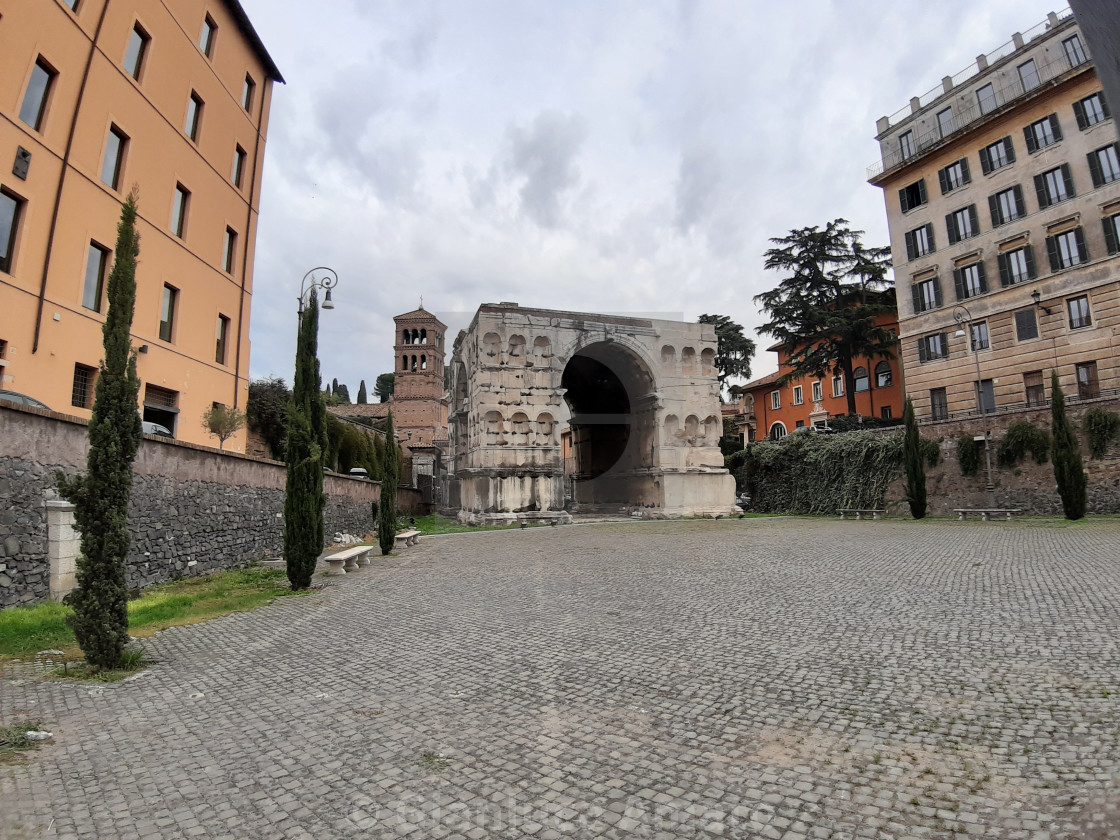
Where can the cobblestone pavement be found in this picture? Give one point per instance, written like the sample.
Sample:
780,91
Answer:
773,678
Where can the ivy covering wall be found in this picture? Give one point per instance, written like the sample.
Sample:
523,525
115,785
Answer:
811,473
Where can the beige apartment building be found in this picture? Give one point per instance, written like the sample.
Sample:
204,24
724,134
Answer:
1002,188
96,97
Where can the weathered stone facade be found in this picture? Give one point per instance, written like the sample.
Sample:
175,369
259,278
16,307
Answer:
640,396
193,509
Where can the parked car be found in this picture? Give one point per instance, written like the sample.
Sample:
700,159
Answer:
359,472
156,429
22,399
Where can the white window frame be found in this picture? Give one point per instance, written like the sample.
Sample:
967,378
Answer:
775,400
798,395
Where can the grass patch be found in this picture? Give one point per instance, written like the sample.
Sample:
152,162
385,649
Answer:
26,630
132,663
434,762
433,523
13,739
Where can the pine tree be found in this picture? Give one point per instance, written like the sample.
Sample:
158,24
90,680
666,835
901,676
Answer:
100,496
1068,470
915,463
307,442
362,396
387,507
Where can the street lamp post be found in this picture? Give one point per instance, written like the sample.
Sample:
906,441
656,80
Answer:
327,280
964,327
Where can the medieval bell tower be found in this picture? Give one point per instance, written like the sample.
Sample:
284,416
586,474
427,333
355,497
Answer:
419,409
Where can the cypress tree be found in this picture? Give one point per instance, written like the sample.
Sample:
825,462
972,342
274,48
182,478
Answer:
307,443
100,496
362,396
1068,470
915,463
387,506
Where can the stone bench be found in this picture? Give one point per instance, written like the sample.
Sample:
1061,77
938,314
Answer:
409,537
986,513
860,512
348,560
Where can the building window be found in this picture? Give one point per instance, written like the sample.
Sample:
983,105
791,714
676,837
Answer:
962,224
1088,387
404,362
986,98
247,92
1032,385
135,51
985,395
997,155
81,395
883,375
1112,233
906,144
1079,312
167,313
1066,249
1026,325
11,208
798,395
97,264
1074,51
932,347
927,295
919,241
1016,266
238,166
223,338
179,206
229,248
913,196
862,380
978,335
777,431
160,406
1042,133
970,281
1028,75
800,424
1054,186
838,386
945,122
113,163
208,36
775,400
1104,165
38,92
938,404
1007,206
194,116
885,412
73,4
818,391
954,175
1091,110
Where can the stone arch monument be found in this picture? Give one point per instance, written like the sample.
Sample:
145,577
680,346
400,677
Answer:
556,411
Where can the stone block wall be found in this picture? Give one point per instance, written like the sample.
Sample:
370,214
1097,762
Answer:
193,509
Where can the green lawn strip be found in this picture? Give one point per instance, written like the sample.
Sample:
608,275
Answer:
27,630
13,739
435,524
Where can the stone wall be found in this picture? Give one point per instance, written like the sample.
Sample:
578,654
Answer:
193,509
1027,486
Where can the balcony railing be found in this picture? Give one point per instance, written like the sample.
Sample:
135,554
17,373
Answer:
1017,407
1006,90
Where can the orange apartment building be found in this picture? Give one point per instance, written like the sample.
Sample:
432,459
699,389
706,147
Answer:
771,410
170,97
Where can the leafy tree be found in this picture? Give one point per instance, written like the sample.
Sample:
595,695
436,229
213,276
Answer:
100,496
222,422
734,350
824,312
1068,470
383,387
267,413
1102,427
362,397
914,457
387,505
307,443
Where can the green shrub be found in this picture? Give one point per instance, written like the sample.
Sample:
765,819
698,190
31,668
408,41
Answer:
1101,428
1069,474
968,455
1020,439
915,456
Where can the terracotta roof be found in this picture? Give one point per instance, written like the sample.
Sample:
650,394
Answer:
376,410
766,380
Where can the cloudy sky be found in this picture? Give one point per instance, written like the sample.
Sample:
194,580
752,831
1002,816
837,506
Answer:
609,156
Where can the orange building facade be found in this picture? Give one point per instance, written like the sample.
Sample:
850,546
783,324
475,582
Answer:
771,410
96,98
